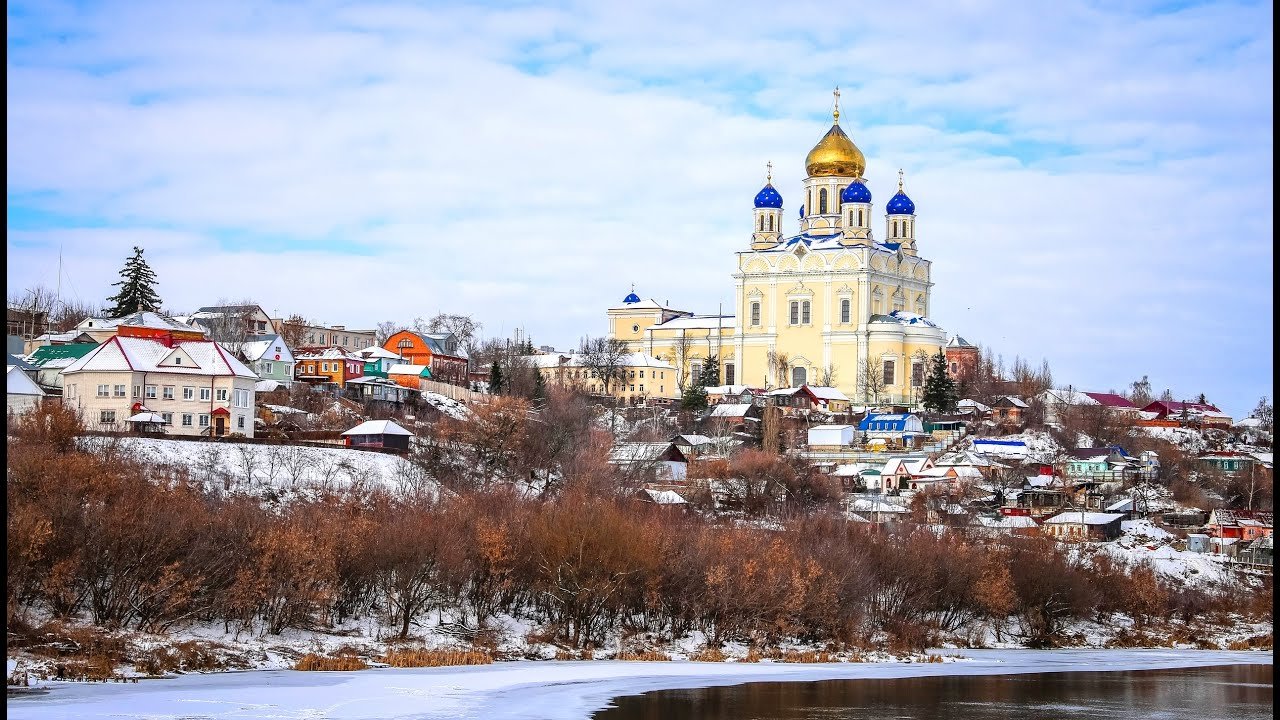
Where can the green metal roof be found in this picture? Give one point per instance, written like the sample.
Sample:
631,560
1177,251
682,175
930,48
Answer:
46,353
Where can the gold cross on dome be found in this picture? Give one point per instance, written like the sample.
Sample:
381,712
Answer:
768,178
899,178
835,112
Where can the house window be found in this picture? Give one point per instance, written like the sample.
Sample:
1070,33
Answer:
755,314
177,361
104,390
728,374
917,374
137,391
795,312
240,421
222,394
107,417
205,393
954,367
168,418
168,392
151,392
641,374
204,421
324,367
804,312
845,310
119,391
888,372
267,368
798,376
188,393
641,387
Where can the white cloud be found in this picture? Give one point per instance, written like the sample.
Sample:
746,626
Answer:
1094,183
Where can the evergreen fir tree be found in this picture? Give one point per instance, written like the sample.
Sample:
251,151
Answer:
710,373
495,379
539,389
939,389
694,397
137,288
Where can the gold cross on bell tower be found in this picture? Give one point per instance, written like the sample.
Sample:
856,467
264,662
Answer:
835,111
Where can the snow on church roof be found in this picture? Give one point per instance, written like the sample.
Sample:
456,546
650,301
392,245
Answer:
696,322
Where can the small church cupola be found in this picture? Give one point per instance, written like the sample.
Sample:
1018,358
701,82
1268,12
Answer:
830,167
855,204
768,214
632,297
900,213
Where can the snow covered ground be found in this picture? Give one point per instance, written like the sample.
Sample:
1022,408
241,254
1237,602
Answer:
247,467
527,689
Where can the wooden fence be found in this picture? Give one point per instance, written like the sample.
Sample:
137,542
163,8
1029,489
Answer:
452,392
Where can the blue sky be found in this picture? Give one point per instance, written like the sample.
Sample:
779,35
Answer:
1093,181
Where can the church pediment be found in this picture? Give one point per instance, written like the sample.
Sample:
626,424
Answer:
800,289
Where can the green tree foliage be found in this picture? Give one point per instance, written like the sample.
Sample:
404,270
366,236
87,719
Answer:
694,397
495,379
939,390
539,389
710,376
137,288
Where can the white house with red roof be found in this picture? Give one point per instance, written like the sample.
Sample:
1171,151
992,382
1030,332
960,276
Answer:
197,387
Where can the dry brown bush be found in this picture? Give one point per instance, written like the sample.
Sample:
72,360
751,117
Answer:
709,654
312,661
422,657
1257,642
644,656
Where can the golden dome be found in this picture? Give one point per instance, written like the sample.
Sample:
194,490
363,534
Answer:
835,154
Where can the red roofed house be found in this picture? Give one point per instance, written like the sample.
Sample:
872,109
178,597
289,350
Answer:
1189,412
1246,525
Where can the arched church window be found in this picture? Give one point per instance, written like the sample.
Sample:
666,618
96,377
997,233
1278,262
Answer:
859,218
770,223
798,376
762,222
844,310
755,314
804,312
822,201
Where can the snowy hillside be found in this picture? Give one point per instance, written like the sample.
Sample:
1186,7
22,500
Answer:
254,468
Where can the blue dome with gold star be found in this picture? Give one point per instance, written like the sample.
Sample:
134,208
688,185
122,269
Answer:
855,193
768,197
632,298
900,204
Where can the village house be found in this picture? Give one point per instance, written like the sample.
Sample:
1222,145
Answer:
438,351
270,357
378,361
196,386
733,394
325,335
640,377
832,437
51,360
1087,526
1100,463
1244,525
378,434
664,459
1226,462
327,366
23,392
371,388
1189,413
1008,410
897,473
808,397
896,429
409,376
1054,401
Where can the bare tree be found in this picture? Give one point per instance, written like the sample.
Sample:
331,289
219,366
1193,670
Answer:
232,325
605,357
681,350
779,364
827,378
293,329
871,380
463,327
29,311
386,329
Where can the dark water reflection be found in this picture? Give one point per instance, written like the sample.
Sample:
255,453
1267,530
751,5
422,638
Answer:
1234,692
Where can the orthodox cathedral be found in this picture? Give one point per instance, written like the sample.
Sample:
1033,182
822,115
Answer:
831,305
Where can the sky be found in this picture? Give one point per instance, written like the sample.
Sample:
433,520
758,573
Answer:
1092,181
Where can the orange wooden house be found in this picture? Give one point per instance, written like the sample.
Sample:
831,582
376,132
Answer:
437,351
327,365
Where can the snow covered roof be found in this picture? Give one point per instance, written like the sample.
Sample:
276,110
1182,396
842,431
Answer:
731,410
377,351
408,369
328,353
46,354
694,440
1083,518
144,319
576,360
18,382
972,405
378,427
134,354
665,497
254,350
1008,521
284,409
875,505
630,452
903,317
1011,400
957,341
264,386
726,389
826,393
147,417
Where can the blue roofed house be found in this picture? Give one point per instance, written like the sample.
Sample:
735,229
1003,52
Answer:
898,427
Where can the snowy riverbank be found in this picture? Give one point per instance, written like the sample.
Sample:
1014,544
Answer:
527,689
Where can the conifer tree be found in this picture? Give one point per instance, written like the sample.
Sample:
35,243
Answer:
939,389
539,389
495,379
137,288
694,397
